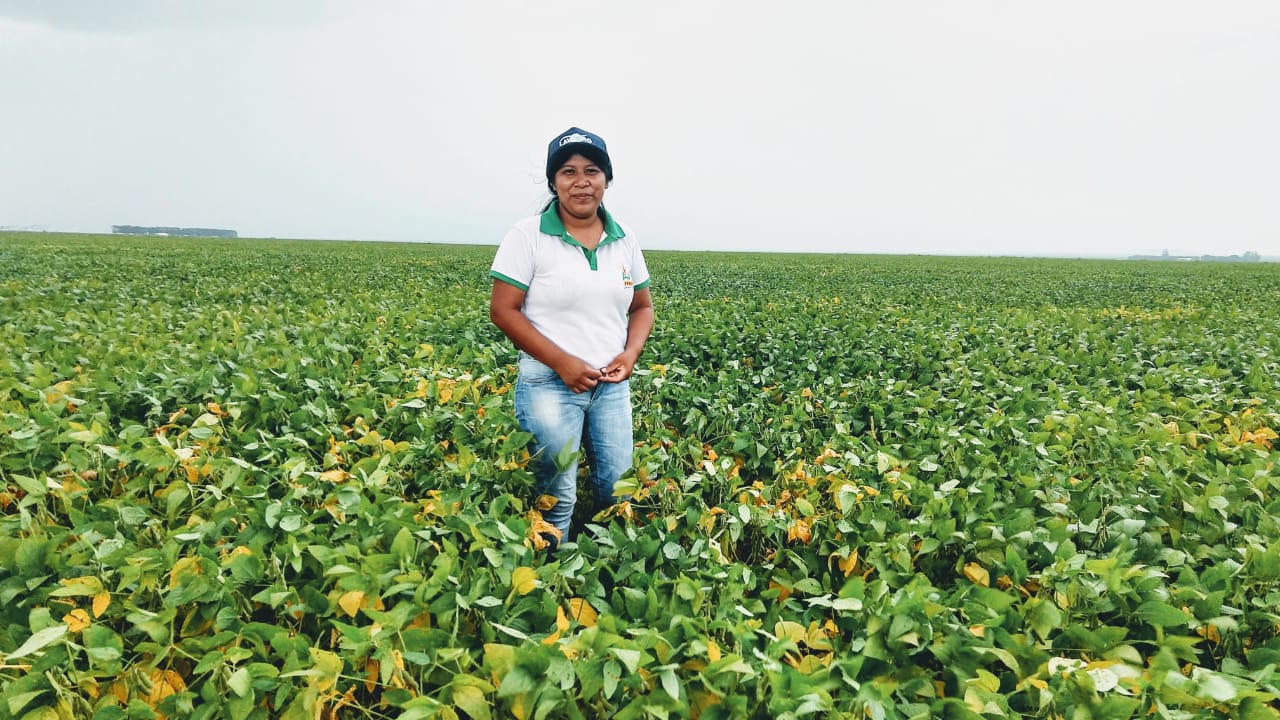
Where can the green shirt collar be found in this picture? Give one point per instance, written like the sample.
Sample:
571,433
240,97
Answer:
551,224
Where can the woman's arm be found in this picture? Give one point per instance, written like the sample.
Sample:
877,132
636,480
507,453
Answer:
639,325
504,310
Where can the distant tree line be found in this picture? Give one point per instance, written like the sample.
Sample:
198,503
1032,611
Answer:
176,231
1250,256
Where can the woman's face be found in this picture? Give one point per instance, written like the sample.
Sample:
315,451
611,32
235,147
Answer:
580,186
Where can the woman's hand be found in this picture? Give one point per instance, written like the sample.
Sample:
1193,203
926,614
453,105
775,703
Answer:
619,368
579,375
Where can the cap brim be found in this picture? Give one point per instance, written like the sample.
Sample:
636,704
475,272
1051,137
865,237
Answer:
586,150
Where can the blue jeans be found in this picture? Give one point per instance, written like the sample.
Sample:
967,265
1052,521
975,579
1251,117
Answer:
562,422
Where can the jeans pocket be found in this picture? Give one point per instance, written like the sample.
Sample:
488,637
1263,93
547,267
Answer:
533,372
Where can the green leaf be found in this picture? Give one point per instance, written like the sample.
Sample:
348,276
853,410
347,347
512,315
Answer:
670,682
612,674
1042,616
629,658
102,644
303,706
1214,686
1161,614
884,461
16,703
38,642
847,604
31,486
240,682
239,708
403,545
516,682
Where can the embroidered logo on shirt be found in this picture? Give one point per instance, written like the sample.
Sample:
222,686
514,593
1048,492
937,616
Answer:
626,277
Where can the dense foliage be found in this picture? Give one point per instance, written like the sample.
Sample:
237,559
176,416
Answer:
252,479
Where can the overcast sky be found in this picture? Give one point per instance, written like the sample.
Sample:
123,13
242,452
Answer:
1032,128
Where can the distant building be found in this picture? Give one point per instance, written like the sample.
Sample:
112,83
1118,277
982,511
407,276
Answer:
1165,256
172,231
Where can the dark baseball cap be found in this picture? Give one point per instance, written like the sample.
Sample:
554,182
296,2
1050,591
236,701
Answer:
576,141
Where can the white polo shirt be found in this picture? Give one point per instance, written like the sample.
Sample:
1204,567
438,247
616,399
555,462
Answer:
577,298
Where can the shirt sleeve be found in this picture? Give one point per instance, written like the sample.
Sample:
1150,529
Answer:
513,263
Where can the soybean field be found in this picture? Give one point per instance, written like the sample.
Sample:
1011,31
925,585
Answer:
283,479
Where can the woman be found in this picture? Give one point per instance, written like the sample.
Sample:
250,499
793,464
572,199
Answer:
571,290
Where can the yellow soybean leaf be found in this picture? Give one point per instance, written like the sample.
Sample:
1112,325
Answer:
713,651
351,602
524,580
850,563
183,568
977,574
583,612
163,684
701,700
499,659
101,602
77,620
78,587
800,530
330,666
522,706
562,624
790,630
809,664
471,700
816,637
120,692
